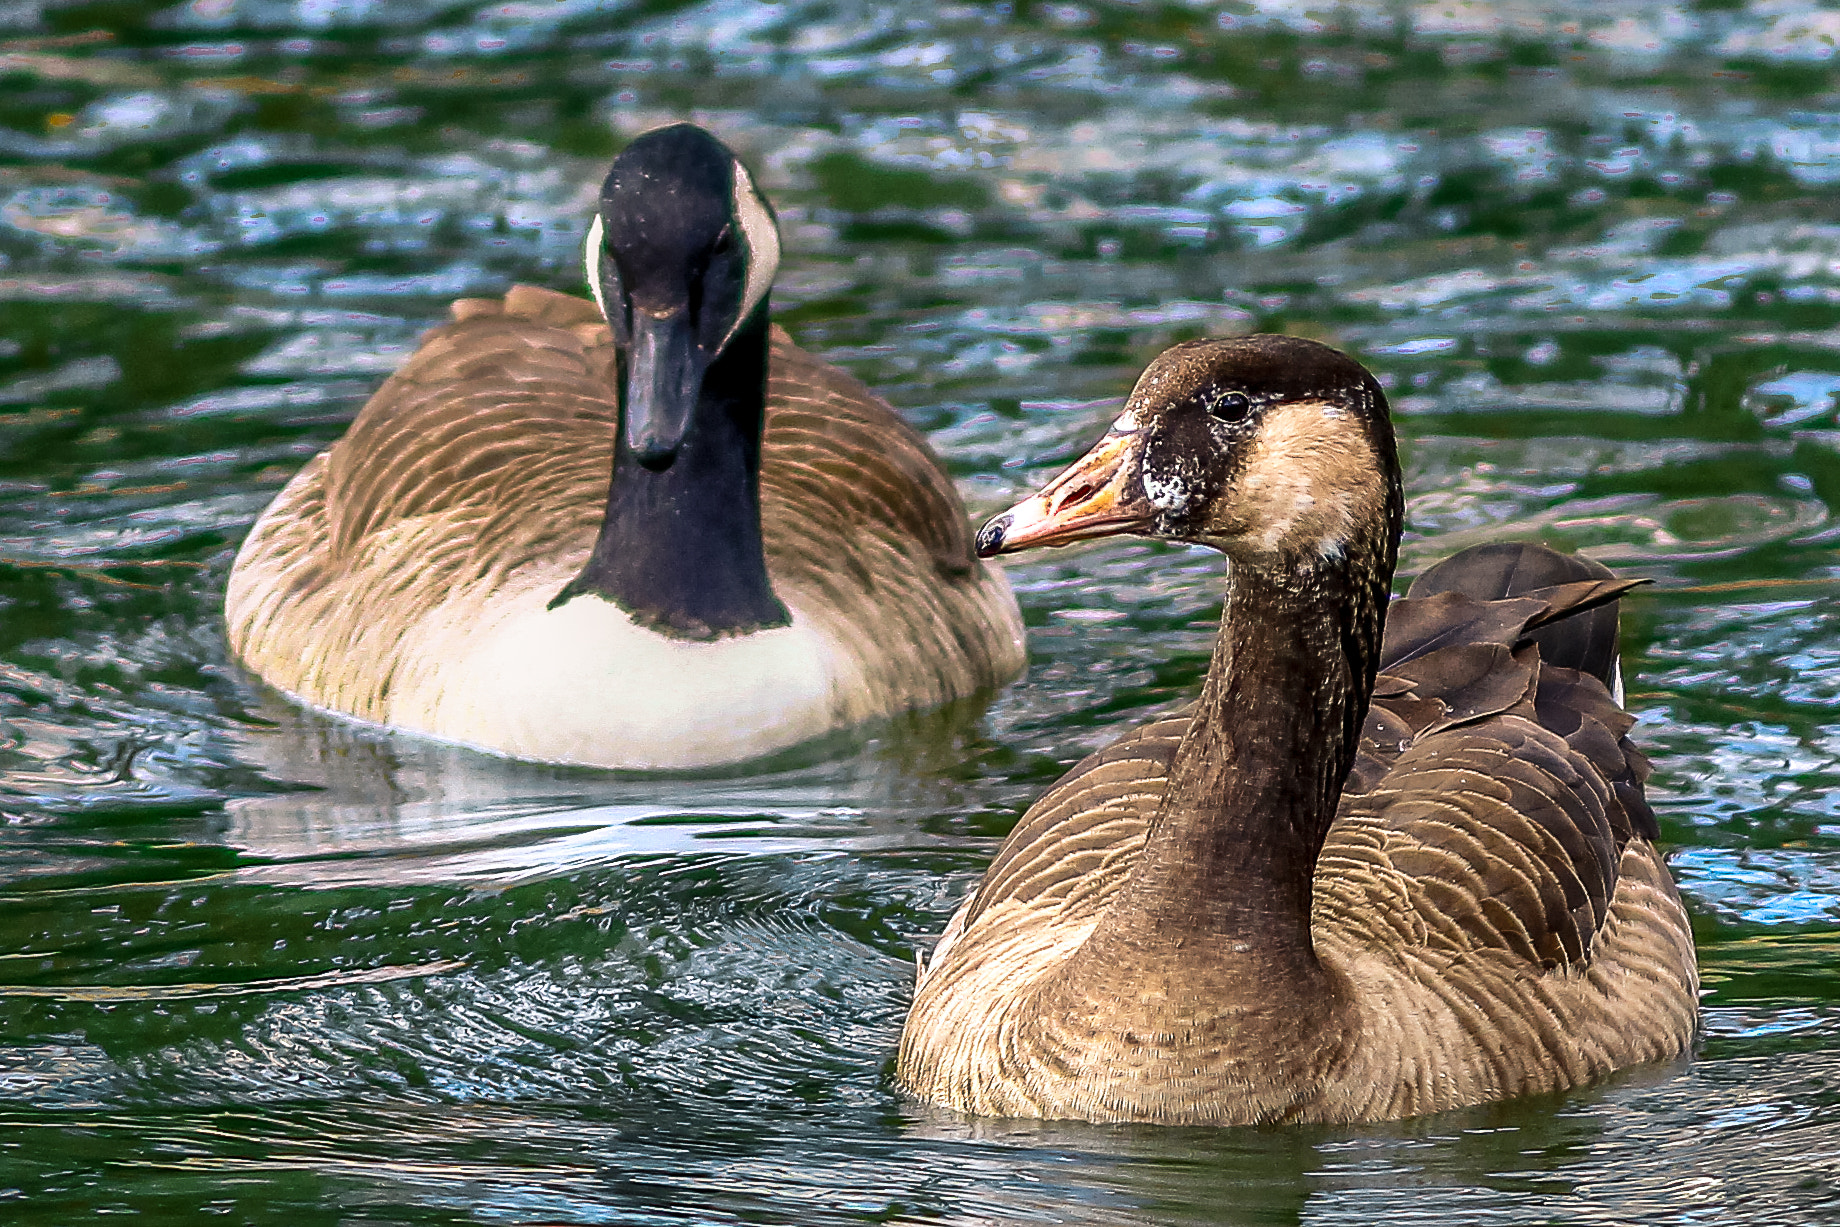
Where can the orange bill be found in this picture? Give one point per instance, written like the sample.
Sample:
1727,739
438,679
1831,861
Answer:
1101,495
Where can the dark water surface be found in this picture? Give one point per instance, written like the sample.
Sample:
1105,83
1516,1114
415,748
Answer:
265,966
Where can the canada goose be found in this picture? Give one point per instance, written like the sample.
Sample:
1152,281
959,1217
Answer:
1356,880
775,555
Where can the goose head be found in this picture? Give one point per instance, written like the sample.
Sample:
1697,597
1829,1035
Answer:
680,256
1275,450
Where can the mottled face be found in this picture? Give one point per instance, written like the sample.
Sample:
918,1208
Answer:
1264,447
681,253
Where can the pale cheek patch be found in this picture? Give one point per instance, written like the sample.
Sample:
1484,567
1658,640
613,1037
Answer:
761,235
1309,481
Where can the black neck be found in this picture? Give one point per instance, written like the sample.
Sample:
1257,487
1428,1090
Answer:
681,550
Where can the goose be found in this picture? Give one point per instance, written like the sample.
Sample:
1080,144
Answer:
1361,878
643,532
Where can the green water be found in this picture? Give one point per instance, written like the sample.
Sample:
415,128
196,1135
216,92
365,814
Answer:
260,966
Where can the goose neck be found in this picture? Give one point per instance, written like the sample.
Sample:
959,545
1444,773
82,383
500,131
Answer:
1220,897
1255,783
680,548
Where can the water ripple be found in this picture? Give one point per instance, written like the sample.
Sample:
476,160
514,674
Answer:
1588,250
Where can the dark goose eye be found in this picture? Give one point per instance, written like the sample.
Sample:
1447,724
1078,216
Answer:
1230,406
725,242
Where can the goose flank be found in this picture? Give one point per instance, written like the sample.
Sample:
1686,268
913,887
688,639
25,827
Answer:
645,532
1363,877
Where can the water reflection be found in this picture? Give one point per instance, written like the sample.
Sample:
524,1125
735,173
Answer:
373,808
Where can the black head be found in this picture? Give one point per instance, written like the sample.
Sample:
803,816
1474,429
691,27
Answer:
1268,448
681,254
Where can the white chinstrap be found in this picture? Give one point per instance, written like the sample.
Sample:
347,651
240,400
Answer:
762,237
591,257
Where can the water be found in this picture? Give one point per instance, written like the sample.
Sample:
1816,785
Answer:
268,967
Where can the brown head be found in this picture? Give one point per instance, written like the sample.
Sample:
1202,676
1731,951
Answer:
1275,450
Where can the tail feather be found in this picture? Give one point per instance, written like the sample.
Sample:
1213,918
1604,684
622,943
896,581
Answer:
1586,641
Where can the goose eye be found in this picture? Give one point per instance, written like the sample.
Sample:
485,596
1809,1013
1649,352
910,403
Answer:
725,242
1231,407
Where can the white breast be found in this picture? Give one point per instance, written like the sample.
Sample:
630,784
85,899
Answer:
586,684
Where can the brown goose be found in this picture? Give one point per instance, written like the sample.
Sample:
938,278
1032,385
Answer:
776,555
1356,880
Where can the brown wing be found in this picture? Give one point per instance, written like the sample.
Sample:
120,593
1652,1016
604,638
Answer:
1496,789
843,455
859,512
503,419
1489,804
